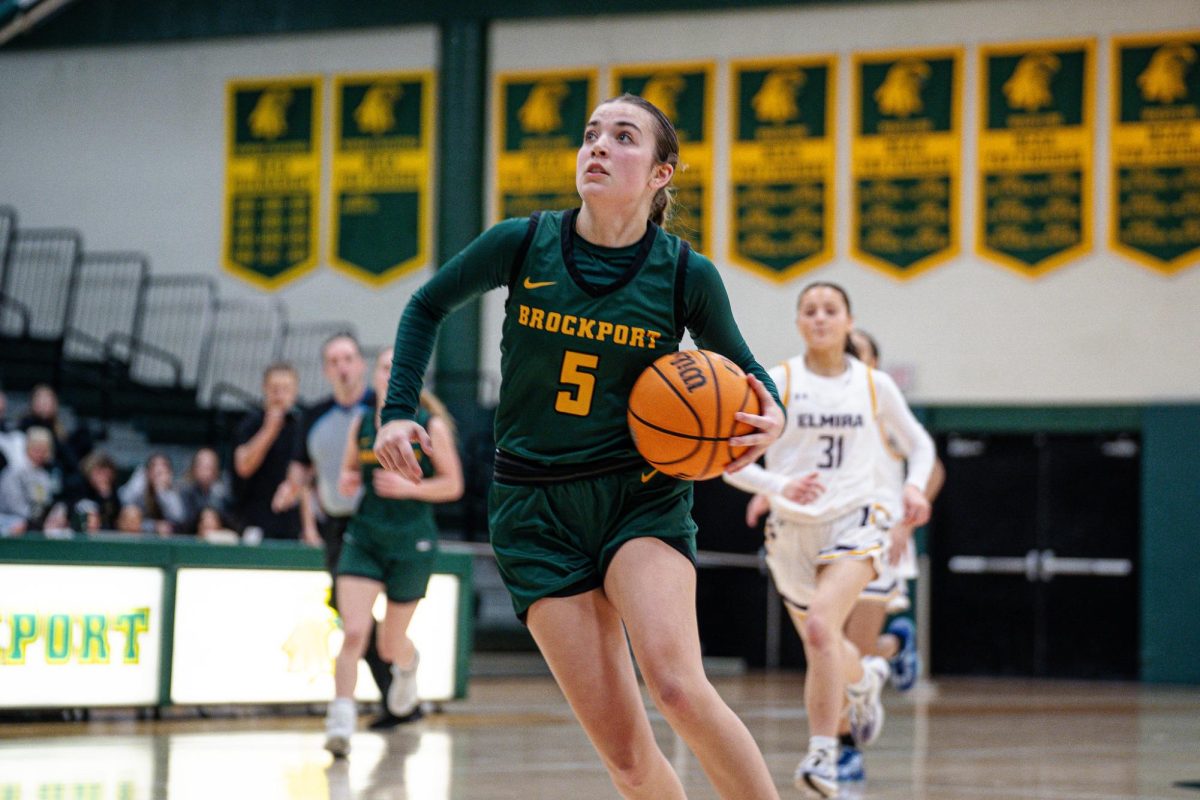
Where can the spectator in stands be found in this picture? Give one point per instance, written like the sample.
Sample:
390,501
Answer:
12,441
57,524
264,443
130,520
5,422
211,527
203,487
44,413
96,507
27,490
320,447
152,490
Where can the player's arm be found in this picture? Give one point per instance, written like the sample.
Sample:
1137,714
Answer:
915,443
709,317
350,476
483,265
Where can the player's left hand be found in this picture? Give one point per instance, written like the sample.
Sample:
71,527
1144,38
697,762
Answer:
769,425
898,538
916,506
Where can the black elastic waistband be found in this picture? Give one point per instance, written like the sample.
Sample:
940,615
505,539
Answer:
517,471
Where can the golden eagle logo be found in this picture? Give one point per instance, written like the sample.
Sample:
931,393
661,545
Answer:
775,101
1029,87
663,91
376,113
1165,78
542,110
268,120
900,93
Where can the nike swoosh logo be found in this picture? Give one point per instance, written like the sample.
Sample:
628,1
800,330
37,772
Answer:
646,476
537,284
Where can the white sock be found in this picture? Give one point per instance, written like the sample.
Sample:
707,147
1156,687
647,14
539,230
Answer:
826,743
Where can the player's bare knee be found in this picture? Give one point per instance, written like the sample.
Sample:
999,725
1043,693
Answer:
629,768
355,637
819,635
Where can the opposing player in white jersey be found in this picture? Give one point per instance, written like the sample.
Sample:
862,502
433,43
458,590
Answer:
828,527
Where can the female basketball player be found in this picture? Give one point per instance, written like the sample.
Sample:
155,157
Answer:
828,526
390,546
590,544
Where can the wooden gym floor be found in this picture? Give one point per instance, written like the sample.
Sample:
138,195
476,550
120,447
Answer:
514,738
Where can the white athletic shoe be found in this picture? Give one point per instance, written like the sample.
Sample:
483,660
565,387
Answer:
402,697
340,721
816,775
866,710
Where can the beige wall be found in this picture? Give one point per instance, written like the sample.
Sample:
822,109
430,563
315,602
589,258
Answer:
1099,330
126,144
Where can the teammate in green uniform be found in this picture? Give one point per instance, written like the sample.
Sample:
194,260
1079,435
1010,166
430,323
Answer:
591,542
390,546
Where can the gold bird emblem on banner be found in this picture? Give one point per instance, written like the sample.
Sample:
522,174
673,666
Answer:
1029,86
663,91
541,112
376,113
268,120
775,101
900,93
1165,78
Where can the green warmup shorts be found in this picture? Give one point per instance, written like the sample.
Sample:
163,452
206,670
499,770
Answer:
401,560
558,539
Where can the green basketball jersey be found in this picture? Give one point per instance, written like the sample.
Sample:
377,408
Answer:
571,349
381,515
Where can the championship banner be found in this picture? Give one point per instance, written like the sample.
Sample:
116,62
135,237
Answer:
1035,154
1156,149
272,178
382,166
684,92
782,162
906,159
540,118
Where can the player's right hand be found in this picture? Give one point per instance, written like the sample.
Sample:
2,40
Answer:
393,447
805,489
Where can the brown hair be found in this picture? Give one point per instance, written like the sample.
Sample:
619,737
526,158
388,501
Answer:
850,348
666,151
280,366
436,408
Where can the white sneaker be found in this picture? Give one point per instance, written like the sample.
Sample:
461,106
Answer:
340,722
402,697
866,710
816,775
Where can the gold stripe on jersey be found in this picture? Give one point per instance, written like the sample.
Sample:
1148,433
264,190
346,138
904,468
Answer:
786,394
587,328
863,551
887,442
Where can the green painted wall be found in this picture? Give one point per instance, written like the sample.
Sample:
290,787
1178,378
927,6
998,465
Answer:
1170,535
1171,544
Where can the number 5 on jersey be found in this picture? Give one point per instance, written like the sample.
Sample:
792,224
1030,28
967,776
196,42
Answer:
576,399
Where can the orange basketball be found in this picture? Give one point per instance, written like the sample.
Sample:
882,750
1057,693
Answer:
681,413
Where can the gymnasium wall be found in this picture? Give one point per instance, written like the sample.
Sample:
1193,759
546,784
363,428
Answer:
126,144
1101,329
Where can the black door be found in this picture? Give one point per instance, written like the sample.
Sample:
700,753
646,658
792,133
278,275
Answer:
1034,556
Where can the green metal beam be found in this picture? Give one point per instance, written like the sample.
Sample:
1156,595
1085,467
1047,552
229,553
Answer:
462,100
